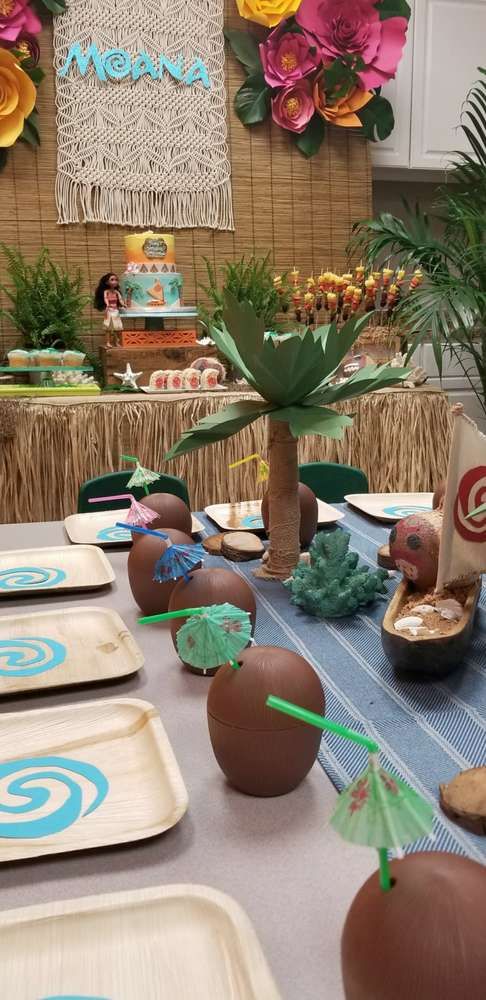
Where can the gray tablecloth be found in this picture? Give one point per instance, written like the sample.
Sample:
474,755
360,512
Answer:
277,857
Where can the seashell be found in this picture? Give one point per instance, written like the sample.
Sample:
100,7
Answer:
409,622
450,609
424,609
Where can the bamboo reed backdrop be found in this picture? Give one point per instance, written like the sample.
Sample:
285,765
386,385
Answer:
300,210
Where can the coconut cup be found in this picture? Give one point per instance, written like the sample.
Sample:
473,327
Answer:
171,511
206,587
308,514
152,597
414,547
422,940
263,752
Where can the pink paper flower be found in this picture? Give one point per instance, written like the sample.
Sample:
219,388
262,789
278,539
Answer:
286,57
16,17
293,106
353,27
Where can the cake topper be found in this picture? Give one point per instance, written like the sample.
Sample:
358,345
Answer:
108,298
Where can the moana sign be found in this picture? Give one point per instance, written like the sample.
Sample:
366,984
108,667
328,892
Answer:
117,64
141,114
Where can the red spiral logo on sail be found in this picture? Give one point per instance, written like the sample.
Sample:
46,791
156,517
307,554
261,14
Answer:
471,494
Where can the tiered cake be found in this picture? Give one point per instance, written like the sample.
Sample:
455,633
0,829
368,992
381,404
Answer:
151,280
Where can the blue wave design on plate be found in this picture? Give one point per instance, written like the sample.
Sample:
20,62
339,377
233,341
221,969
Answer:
30,656
114,534
405,511
20,577
252,521
30,787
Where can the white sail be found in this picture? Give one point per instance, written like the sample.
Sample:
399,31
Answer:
463,540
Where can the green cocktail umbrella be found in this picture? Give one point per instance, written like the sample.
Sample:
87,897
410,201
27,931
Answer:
211,636
216,636
377,809
141,476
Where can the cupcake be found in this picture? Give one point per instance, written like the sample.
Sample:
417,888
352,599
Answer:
73,359
34,358
18,359
45,357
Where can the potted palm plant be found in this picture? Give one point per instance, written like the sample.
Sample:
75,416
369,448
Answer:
293,377
450,304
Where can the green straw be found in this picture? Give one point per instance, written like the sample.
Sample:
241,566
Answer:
318,720
385,879
184,613
234,664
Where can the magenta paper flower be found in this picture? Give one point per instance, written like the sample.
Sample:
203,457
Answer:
17,17
293,106
353,27
286,57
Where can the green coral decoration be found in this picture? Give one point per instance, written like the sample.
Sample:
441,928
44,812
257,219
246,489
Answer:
333,585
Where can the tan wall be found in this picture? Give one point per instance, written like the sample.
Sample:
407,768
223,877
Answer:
300,210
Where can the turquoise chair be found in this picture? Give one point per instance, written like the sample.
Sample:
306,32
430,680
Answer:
331,482
116,482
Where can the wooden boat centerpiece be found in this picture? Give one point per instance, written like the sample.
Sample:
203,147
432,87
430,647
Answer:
429,622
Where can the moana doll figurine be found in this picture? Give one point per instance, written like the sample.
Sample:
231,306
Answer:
108,298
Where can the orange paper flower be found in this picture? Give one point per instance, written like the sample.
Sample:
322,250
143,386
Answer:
267,12
343,111
17,98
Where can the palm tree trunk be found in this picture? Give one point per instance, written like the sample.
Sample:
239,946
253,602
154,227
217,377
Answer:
283,503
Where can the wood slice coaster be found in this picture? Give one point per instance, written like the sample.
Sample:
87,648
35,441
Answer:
240,546
463,800
384,558
212,544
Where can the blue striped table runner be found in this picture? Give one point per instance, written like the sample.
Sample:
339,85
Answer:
427,731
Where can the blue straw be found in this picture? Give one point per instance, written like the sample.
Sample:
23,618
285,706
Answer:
140,531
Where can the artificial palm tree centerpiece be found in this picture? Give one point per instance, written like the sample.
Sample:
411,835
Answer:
293,376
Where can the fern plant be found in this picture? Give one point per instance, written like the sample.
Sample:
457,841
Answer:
250,281
450,305
46,303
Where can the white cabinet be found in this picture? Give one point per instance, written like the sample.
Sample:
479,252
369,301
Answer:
446,44
449,45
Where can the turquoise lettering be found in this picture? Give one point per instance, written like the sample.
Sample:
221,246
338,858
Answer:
75,55
196,72
175,69
117,63
142,65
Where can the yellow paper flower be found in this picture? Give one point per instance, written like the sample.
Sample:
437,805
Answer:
267,12
17,98
343,111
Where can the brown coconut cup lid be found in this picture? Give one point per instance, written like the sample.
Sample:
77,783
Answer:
238,697
463,800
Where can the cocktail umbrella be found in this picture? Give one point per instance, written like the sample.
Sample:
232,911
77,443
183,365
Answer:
377,809
176,560
140,476
138,514
211,635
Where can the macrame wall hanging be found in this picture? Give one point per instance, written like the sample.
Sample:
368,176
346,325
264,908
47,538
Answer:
142,113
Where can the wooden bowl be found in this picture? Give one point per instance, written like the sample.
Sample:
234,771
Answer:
261,751
422,940
152,597
172,513
210,586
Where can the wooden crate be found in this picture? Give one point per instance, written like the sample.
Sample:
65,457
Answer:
149,359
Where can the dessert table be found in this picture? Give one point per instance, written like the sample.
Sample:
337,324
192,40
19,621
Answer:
400,438
277,857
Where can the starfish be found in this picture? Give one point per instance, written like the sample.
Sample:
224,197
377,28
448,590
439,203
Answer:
128,378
